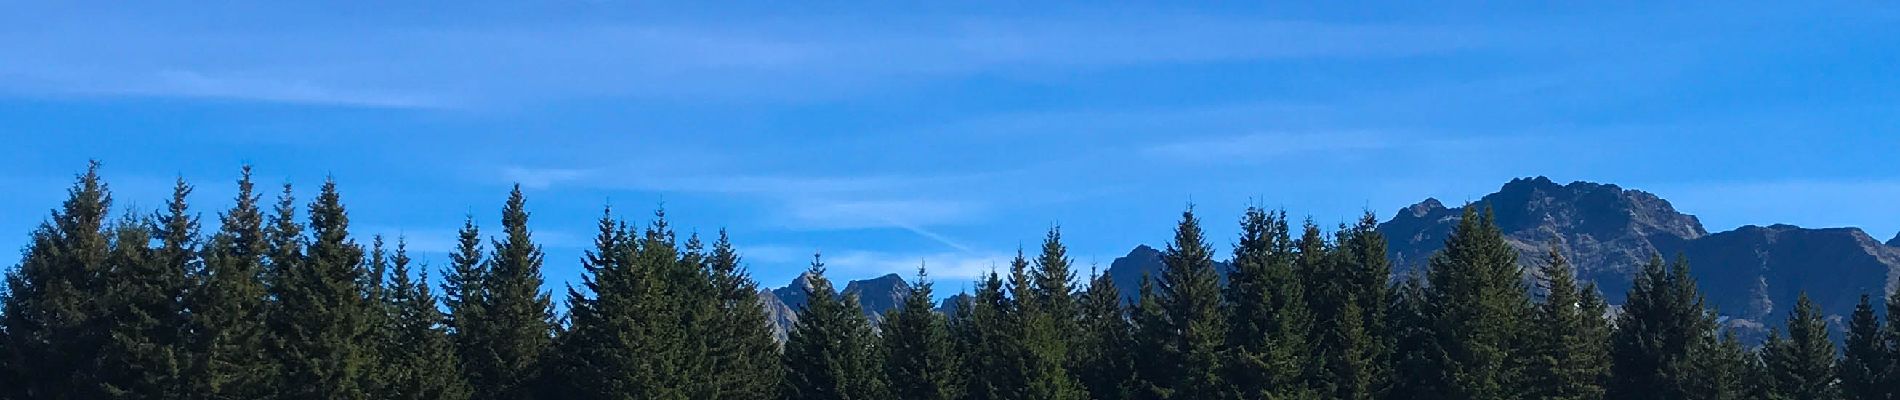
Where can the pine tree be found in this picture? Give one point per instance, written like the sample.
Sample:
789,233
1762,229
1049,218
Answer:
1050,316
52,312
516,318
920,361
1569,354
745,357
321,331
1801,364
1890,346
992,342
1664,337
143,314
1367,271
1415,359
419,356
1157,350
1102,358
1190,292
1478,306
227,331
1865,360
595,361
1721,369
828,352
1268,318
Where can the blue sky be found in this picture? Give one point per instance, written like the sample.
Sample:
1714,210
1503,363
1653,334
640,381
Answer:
885,135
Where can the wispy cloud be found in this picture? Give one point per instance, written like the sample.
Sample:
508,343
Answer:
542,178
1268,145
779,58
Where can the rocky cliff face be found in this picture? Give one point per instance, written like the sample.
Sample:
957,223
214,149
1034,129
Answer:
875,295
1607,231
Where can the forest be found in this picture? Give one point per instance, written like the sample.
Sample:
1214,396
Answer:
277,299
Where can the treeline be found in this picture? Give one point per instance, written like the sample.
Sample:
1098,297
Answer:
273,305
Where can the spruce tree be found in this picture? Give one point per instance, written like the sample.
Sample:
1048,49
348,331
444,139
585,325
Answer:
1367,271
993,344
1865,360
1102,358
1268,318
143,311
1569,355
1190,292
227,331
1664,338
920,357
1478,305
1801,365
1415,359
516,317
464,295
321,330
828,352
419,355
745,357
1721,369
595,361
1045,324
52,314
1157,351
1890,346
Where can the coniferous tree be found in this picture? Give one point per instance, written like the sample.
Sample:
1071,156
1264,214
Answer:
1268,318
920,357
1367,271
51,313
1721,369
1665,339
1569,354
1415,359
464,295
1102,358
515,323
595,361
745,357
418,356
1042,333
828,352
1865,359
143,311
321,331
1800,365
1190,293
1050,319
1157,360
1890,346
227,304
993,344
1478,305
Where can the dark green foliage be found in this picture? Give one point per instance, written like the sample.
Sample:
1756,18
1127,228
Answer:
1569,354
1190,292
1478,307
1801,365
51,316
418,360
1665,338
992,344
1865,360
1267,352
1414,357
744,355
1157,364
321,330
1365,275
828,352
1045,310
227,307
920,357
513,331
1721,369
1101,350
143,313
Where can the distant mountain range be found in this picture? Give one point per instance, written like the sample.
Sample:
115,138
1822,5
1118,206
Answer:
1606,231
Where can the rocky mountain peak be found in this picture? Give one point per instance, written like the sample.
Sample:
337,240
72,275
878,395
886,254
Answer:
1895,242
879,294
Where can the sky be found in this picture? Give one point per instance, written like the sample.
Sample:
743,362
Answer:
887,134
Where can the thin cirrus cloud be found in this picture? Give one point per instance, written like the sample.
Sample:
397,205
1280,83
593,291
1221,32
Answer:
778,59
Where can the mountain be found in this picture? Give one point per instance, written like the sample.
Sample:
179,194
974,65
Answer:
875,295
1895,242
1126,271
879,294
1608,232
